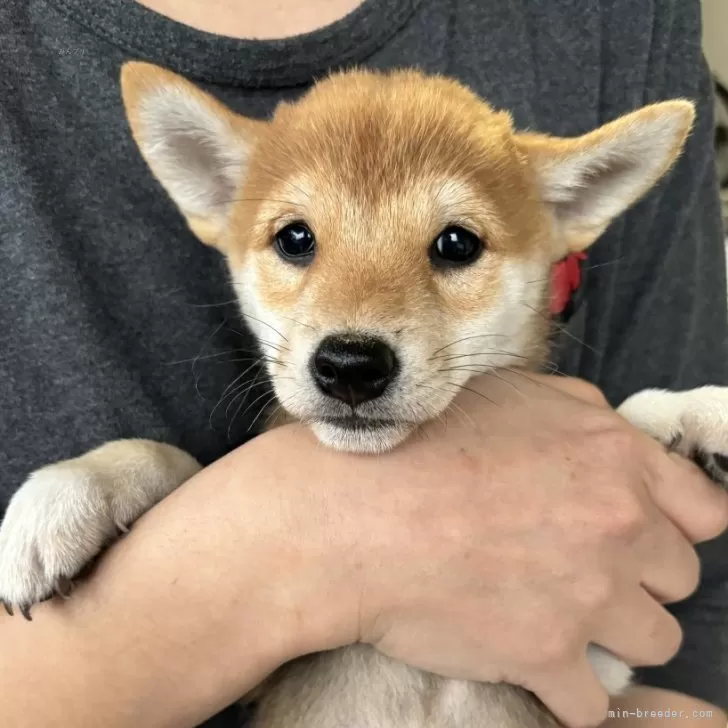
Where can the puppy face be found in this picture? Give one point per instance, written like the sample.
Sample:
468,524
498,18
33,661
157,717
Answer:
389,236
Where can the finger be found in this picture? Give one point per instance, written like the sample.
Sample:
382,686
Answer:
698,507
669,566
639,630
574,694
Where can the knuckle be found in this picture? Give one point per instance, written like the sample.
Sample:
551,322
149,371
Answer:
616,440
611,442
627,518
618,516
581,389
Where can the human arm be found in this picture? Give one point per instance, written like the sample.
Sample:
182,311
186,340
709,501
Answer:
242,568
167,630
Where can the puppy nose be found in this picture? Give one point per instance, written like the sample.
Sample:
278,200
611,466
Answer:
353,370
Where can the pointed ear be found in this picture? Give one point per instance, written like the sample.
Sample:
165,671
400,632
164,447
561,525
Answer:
196,147
588,181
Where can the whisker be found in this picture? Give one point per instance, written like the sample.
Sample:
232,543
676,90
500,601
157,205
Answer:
194,361
227,391
573,337
475,368
562,329
460,411
464,416
475,391
615,261
261,359
262,409
493,373
218,354
235,414
259,341
300,323
522,373
265,323
278,347
242,390
212,305
494,352
230,201
466,368
420,432
465,338
257,399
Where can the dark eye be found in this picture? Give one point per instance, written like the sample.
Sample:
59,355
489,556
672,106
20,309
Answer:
455,246
295,243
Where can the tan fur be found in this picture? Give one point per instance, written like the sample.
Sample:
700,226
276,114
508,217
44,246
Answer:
377,165
378,201
406,698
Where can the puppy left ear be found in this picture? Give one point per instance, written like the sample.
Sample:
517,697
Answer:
195,146
588,181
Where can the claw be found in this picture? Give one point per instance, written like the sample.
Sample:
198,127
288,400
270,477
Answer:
703,460
674,443
123,528
64,587
25,611
8,608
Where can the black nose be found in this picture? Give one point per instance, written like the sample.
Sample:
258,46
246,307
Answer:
353,370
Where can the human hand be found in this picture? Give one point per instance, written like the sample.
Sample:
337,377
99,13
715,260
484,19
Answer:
497,546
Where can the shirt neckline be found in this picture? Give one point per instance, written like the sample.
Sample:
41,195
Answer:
252,63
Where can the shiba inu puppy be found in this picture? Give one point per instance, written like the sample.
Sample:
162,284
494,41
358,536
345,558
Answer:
379,228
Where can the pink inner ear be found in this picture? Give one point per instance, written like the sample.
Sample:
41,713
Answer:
565,279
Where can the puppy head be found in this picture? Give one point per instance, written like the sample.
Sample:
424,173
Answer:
390,236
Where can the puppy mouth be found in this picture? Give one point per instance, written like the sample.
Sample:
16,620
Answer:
358,423
357,434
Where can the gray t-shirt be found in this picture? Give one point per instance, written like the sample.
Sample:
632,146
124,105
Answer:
103,290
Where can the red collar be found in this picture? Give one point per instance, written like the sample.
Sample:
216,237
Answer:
565,280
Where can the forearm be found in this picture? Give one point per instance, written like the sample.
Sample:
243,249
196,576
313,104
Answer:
648,707
181,617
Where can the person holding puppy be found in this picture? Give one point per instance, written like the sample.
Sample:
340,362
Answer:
183,616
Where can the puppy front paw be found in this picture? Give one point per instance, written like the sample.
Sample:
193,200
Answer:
55,525
65,514
693,423
614,674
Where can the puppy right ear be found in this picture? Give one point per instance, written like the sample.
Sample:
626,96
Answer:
195,146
